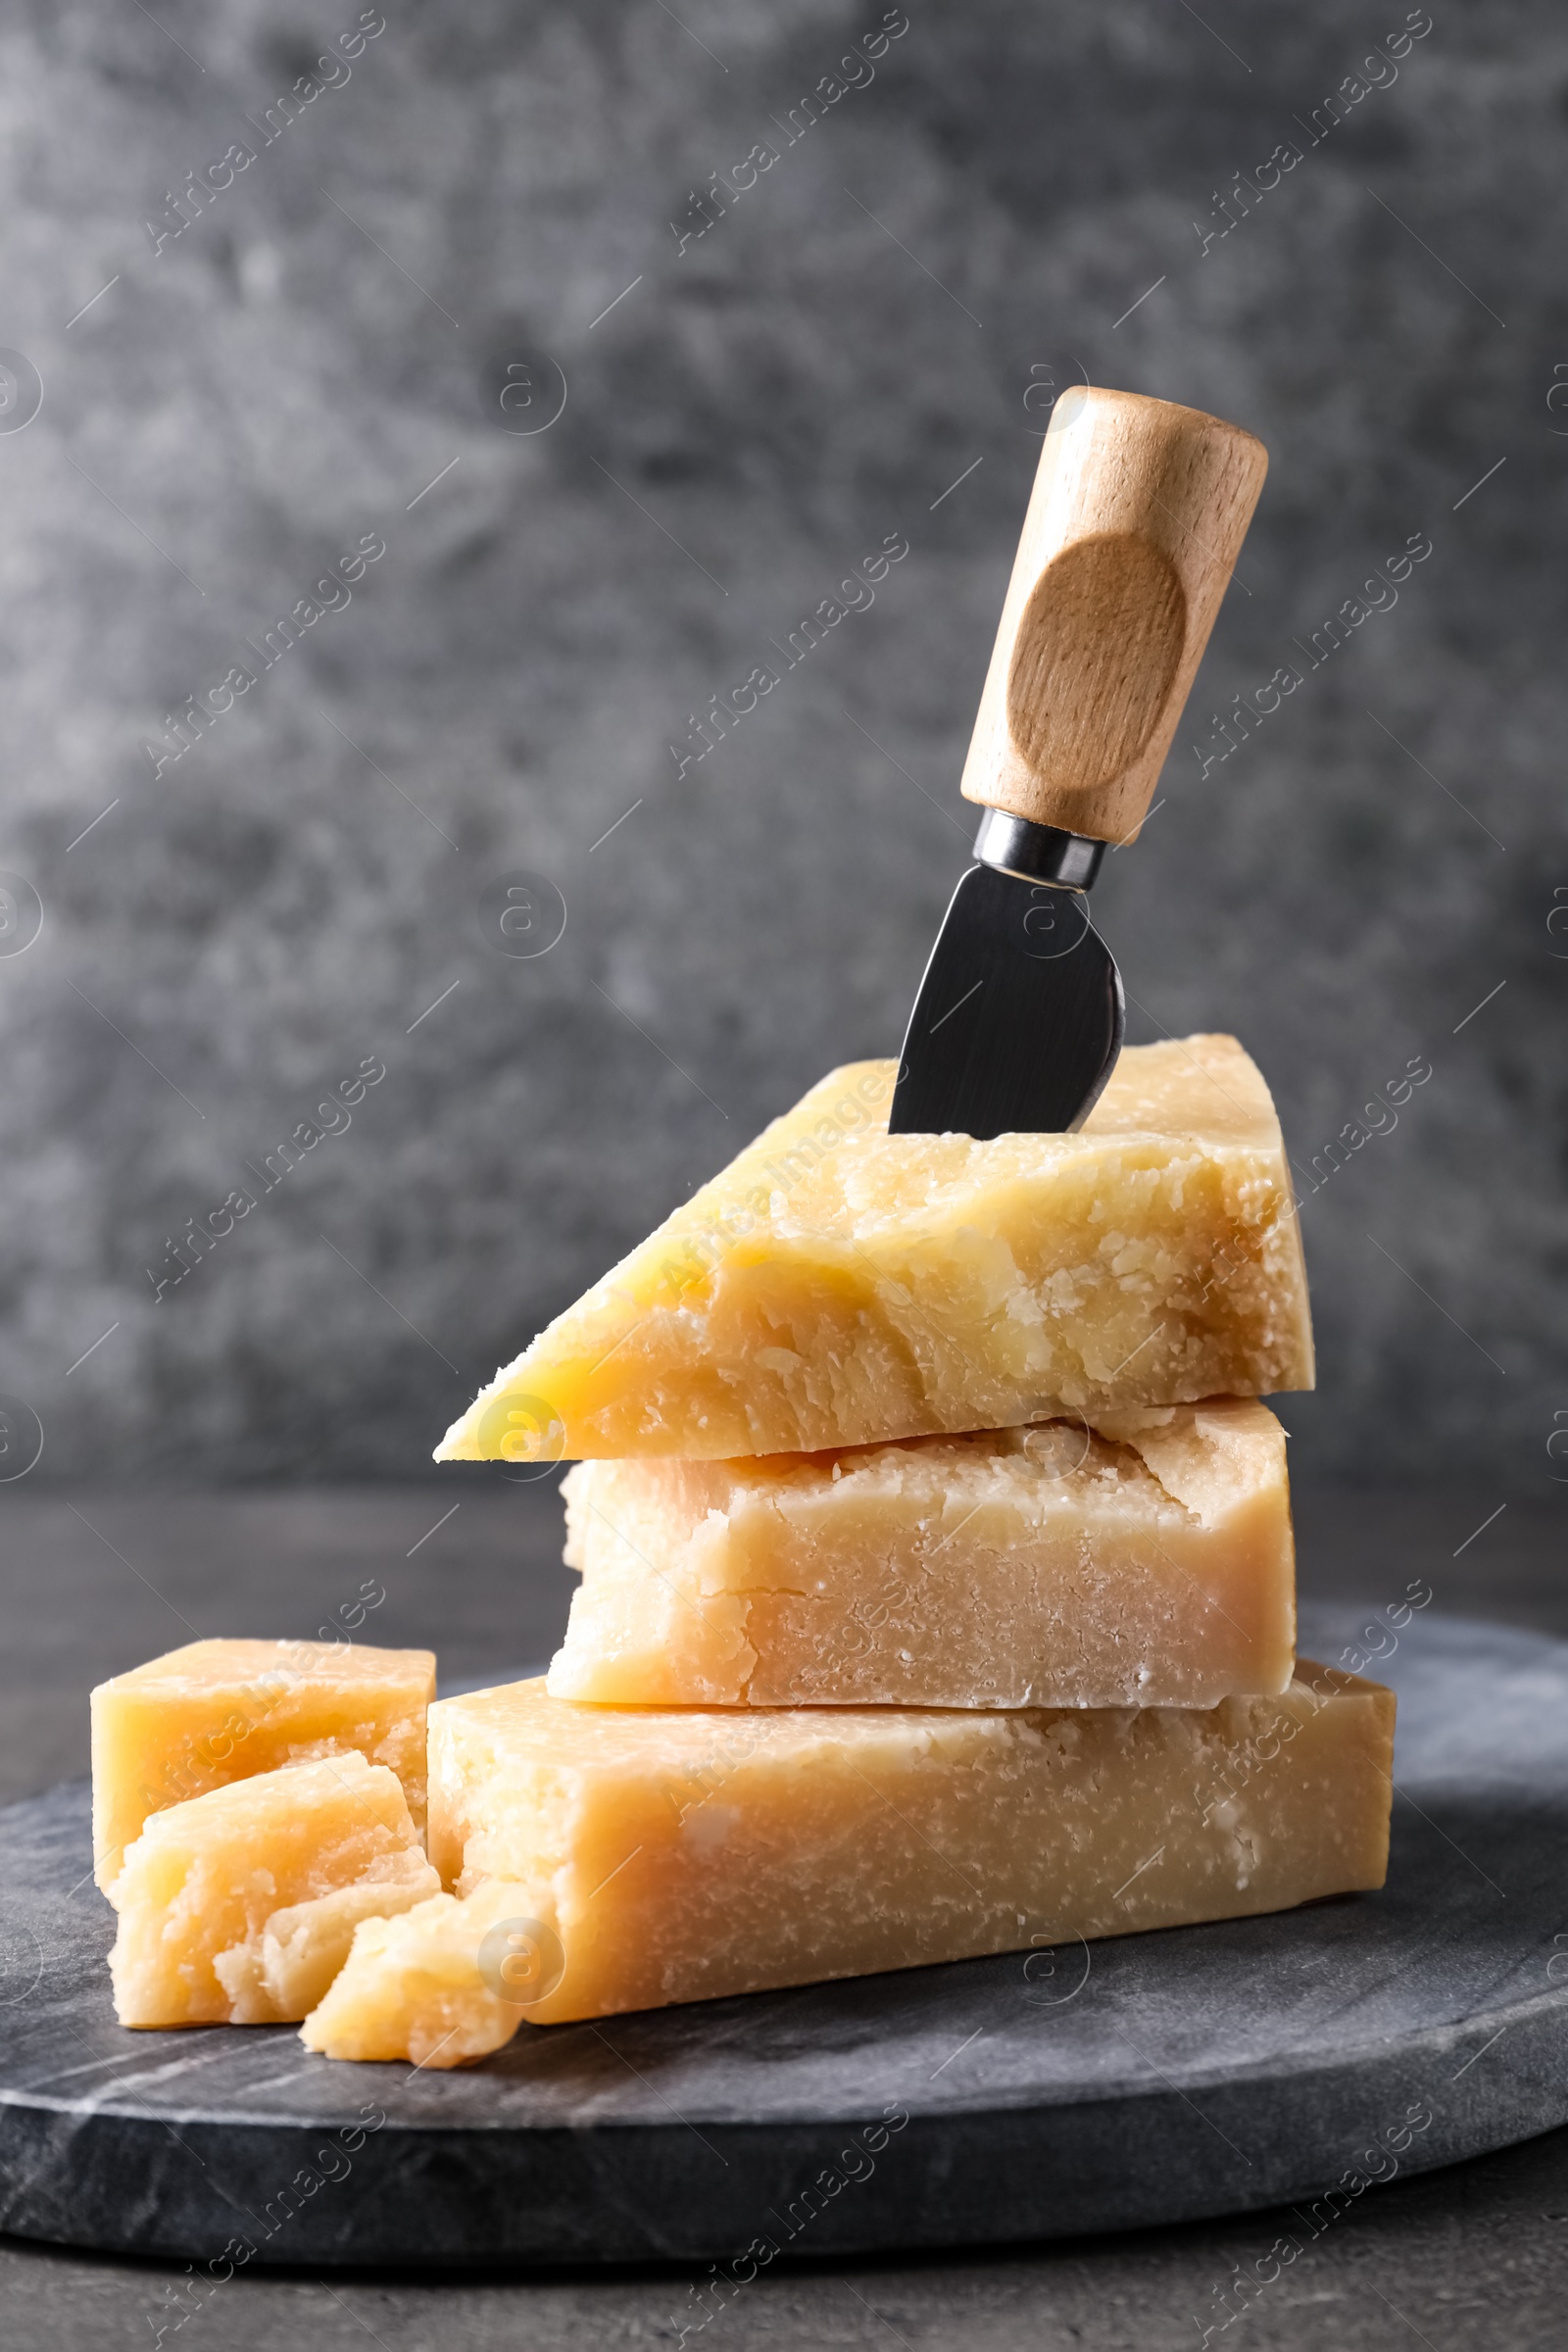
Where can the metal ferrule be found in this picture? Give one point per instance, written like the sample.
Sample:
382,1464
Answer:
1037,852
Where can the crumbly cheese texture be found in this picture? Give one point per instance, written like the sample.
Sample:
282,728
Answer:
220,1711
304,1946
839,1286
682,1855
434,1985
238,1907
1048,1566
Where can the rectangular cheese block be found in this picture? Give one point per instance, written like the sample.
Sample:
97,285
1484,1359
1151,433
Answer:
219,1711
238,1907
839,1286
1052,1566
677,1856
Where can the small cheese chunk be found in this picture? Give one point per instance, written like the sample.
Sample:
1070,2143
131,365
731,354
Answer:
230,1909
1050,1566
434,1985
304,1947
684,1855
839,1286
219,1711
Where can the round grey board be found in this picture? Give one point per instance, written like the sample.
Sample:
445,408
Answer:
1145,2079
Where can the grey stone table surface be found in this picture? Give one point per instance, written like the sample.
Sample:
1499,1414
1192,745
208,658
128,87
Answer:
88,1582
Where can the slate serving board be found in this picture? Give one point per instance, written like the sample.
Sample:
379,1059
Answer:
1147,2078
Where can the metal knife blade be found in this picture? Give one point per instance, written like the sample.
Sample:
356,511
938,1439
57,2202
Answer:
1136,516
1019,1017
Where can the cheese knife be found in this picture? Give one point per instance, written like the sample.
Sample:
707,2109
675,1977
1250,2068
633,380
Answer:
1136,516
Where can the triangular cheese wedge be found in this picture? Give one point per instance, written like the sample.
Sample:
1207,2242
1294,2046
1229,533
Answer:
839,1286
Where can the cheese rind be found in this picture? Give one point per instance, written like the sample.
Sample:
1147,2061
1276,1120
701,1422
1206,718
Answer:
216,1711
685,1855
229,1903
838,1286
1050,1566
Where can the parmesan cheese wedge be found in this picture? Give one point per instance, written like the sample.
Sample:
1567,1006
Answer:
838,1286
220,1711
238,1907
1049,1566
627,1859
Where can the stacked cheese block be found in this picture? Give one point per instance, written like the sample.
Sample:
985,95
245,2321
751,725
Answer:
938,1592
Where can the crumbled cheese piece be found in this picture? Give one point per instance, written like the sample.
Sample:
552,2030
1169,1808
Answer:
237,1907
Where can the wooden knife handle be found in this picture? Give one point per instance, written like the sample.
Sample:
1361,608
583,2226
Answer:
1137,513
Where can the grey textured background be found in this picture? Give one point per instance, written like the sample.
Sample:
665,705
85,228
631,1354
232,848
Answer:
758,412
